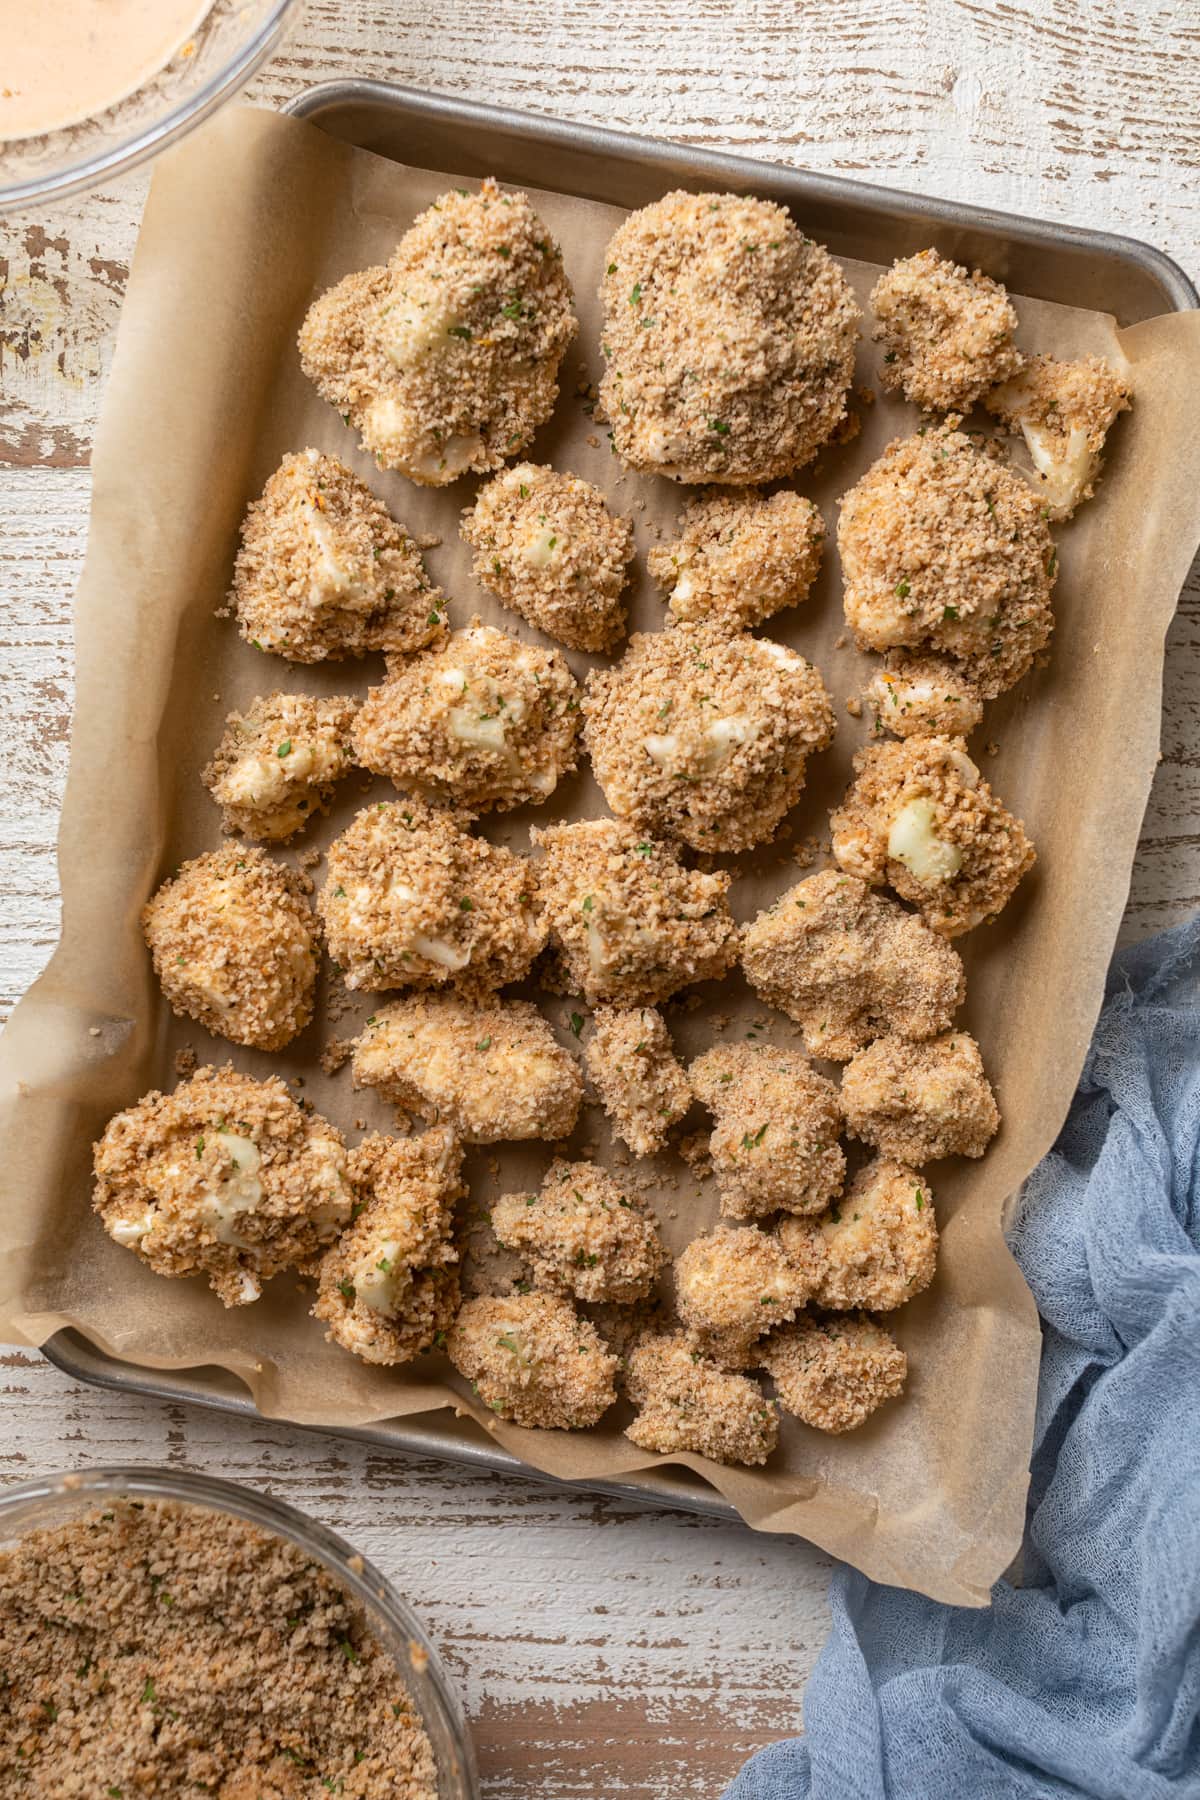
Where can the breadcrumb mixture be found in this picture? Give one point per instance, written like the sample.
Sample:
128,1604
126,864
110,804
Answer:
775,1143
234,945
1064,411
740,557
686,1401
945,548
850,965
493,1071
531,1358
728,340
704,736
410,899
324,571
915,1103
277,763
582,1234
834,1372
159,1650
947,334
446,358
480,721
920,816
642,1085
876,1248
225,1178
548,547
922,696
628,922
734,1284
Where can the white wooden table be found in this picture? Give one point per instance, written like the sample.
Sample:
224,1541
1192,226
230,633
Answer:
606,1654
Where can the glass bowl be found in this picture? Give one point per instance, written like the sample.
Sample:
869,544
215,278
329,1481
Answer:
233,40
55,1500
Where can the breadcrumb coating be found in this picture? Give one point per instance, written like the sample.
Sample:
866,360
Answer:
915,1103
324,571
736,1283
628,922
945,548
387,1288
850,965
492,1071
224,1178
704,736
775,1143
922,696
834,1372
920,816
412,900
235,946
480,721
1064,411
547,546
446,358
728,340
876,1248
276,765
582,1235
532,1359
947,334
740,557
642,1086
687,1402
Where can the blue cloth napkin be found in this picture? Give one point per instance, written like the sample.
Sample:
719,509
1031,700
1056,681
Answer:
1085,1681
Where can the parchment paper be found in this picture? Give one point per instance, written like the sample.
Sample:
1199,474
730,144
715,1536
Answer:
245,224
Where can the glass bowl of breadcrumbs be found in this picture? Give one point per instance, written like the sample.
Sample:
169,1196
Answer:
168,1634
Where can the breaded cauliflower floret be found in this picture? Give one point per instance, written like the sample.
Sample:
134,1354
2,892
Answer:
493,1072
547,546
834,1372
944,548
235,946
387,1287
276,764
849,965
922,696
532,1359
642,1086
224,1178
686,1402
482,720
775,1145
628,922
876,1248
702,735
736,1283
582,1235
920,816
412,900
446,358
915,1103
740,557
1064,412
947,334
324,571
728,340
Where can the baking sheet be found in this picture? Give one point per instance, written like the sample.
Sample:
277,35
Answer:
244,224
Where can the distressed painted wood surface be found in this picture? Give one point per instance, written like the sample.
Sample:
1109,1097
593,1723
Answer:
603,1652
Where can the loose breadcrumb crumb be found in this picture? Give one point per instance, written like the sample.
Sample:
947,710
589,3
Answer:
687,1402
876,1248
740,557
1064,411
947,334
917,1102
834,1372
583,1234
642,1086
531,1358
737,1282
775,1144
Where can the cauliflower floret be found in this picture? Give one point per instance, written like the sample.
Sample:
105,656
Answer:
1064,412
532,1359
642,1086
704,736
629,923
876,1248
922,696
947,334
581,1235
740,557
728,339
234,944
736,1283
446,358
833,1373
224,1178
920,816
915,1103
848,965
775,1146
276,764
547,546
686,1402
